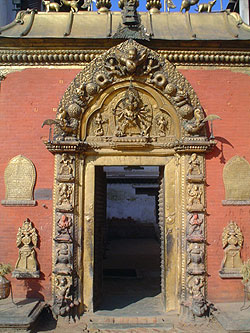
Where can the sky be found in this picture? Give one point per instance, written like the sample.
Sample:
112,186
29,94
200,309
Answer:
142,6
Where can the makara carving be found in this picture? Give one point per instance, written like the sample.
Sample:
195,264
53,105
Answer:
232,241
26,266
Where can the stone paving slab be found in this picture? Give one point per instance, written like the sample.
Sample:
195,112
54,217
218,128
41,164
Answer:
232,317
19,316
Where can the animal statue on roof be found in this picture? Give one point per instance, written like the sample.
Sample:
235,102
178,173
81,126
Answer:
73,4
186,4
170,5
206,7
51,6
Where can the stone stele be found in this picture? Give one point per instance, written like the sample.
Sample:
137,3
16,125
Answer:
19,177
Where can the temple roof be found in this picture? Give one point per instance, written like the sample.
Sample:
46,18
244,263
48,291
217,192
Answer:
174,26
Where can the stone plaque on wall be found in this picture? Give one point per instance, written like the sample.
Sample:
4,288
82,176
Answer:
236,177
19,178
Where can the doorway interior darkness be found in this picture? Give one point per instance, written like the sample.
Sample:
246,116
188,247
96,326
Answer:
127,241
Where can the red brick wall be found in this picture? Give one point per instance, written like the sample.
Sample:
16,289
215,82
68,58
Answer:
27,98
30,96
225,93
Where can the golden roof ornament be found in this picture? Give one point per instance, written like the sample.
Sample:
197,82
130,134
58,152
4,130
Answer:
131,27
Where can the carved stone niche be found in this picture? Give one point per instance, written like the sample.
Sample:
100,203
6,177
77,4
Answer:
195,228
195,169
64,259
65,197
66,167
195,262
195,197
64,227
19,178
236,177
232,241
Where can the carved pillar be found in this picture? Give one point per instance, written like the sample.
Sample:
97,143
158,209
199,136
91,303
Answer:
65,235
195,235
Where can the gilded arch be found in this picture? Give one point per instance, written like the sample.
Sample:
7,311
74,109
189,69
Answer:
125,107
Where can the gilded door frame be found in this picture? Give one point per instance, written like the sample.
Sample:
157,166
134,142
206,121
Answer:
172,274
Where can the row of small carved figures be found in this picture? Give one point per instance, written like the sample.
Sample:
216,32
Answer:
87,5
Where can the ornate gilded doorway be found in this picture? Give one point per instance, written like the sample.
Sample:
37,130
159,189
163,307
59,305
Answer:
138,242
130,107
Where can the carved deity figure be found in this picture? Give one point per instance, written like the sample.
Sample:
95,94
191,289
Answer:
195,229
194,197
63,229
195,259
66,169
131,112
194,167
65,192
26,242
63,260
131,59
99,125
163,126
63,298
232,240
199,304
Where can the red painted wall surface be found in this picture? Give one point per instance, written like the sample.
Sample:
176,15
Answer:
226,93
27,98
30,96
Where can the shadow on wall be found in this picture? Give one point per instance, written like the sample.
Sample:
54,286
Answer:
219,152
34,287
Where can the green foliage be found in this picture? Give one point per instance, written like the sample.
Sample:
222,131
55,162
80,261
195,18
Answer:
245,271
5,269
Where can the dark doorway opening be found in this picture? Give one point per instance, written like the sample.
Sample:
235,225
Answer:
127,258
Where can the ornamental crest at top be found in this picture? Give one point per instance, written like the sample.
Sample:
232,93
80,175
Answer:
95,104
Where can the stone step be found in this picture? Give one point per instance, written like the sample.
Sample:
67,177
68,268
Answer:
130,328
98,319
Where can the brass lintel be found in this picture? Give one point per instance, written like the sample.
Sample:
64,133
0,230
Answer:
65,146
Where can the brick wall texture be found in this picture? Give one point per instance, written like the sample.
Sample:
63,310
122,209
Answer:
30,96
